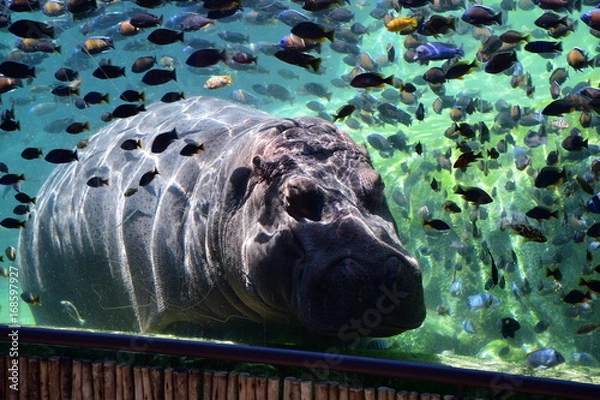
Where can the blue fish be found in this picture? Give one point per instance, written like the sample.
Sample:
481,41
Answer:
381,144
593,204
483,300
468,326
456,287
437,51
544,358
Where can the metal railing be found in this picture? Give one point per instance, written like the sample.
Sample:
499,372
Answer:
461,378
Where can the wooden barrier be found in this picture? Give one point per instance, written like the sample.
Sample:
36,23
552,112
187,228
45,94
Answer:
62,378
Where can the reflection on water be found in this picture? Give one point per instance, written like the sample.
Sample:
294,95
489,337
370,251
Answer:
490,266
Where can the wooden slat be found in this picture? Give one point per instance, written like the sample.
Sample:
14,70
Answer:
168,384
76,380
44,380
193,388
321,391
232,386
219,385
242,386
369,393
356,393
147,384
158,381
54,378
343,392
333,391
273,388
260,388
127,383
413,395
87,388
180,383
109,369
65,377
23,383
306,390
33,366
97,378
402,395
207,385
250,388
10,393
138,384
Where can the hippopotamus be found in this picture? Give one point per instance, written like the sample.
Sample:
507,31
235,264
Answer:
270,221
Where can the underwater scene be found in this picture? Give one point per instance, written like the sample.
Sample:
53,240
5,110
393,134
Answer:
481,118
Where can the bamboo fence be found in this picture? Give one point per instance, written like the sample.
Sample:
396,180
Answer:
62,378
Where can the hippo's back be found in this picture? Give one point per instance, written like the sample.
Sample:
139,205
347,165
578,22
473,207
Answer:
90,244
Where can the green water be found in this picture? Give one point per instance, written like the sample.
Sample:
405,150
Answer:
405,172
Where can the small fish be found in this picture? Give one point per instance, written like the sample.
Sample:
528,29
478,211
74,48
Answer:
312,31
593,285
369,80
11,253
483,300
540,213
12,223
148,177
31,298
544,358
218,81
586,329
191,149
500,62
436,224
131,144
451,207
77,127
443,311
127,110
473,194
300,59
155,77
25,199
577,297
130,192
61,156
469,327
72,311
554,274
163,36
96,98
163,140
419,148
432,51
401,24
541,327
21,209
529,232
495,272
133,96
11,179
97,181
541,46
548,177
479,15
26,28
343,112
108,72
465,159
509,326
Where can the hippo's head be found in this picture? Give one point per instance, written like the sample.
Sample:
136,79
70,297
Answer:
319,244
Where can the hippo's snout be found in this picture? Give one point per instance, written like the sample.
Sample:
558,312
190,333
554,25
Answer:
378,297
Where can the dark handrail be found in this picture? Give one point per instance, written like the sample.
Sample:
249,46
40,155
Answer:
362,365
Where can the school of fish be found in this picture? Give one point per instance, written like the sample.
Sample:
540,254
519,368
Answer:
482,118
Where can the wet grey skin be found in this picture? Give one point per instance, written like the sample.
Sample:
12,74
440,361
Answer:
277,222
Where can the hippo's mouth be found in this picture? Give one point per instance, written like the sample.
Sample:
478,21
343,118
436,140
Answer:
350,297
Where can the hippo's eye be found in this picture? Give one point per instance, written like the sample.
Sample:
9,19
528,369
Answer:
304,200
